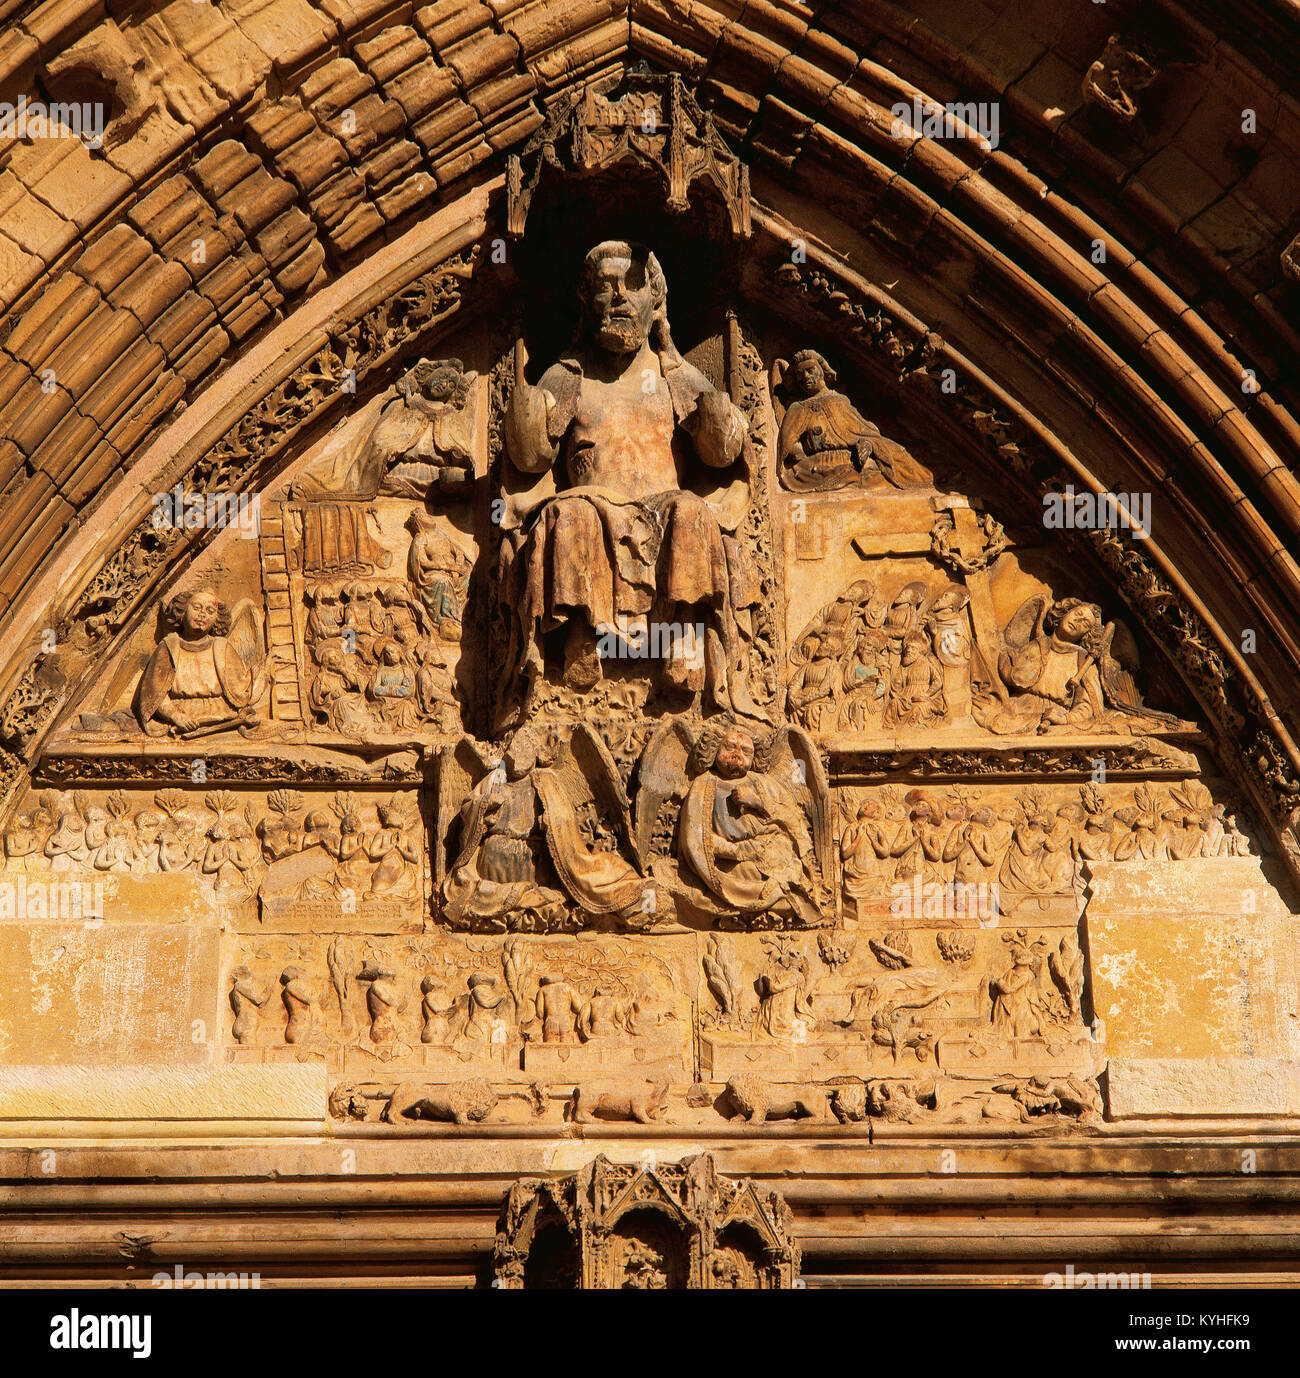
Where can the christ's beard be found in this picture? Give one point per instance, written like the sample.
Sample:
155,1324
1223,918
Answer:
620,334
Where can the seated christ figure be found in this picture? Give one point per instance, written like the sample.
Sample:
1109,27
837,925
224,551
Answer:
625,539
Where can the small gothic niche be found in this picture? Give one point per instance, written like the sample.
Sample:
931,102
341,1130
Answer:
617,1227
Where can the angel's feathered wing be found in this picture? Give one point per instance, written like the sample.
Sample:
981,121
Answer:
1023,627
1120,687
599,878
776,378
1117,681
460,770
1117,669
798,763
589,757
245,636
662,777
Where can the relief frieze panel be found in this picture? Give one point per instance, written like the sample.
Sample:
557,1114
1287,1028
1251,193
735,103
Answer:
958,637
318,859
520,1010
226,470
1012,843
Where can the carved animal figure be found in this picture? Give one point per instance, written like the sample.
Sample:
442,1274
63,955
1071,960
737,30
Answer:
347,1102
760,1101
905,1101
644,1104
462,1102
849,1099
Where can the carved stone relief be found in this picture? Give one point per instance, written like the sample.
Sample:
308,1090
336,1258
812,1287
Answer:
636,736
792,946
1118,77
301,859
824,442
920,648
605,542
612,1227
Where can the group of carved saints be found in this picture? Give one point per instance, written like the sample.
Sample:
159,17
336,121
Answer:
604,569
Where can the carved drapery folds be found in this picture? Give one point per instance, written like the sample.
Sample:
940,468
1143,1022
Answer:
613,1227
824,442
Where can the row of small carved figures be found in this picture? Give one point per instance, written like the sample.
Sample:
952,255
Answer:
230,847
365,614
1034,846
747,1096
484,1016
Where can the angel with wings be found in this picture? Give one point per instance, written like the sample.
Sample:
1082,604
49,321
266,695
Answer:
753,835
1064,667
209,673
542,830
